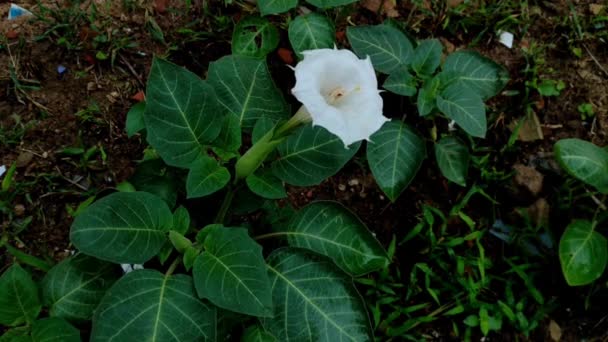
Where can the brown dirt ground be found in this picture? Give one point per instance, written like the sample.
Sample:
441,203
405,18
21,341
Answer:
55,125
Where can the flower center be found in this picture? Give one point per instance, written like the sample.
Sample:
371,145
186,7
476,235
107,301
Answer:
335,96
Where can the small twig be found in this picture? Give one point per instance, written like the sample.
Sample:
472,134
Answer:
595,60
139,80
82,187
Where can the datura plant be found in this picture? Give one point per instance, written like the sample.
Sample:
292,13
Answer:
226,146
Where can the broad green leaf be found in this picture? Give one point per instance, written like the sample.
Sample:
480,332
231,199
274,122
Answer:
330,229
401,82
314,300
311,155
182,114
311,31
146,305
231,272
464,106
19,301
266,185
395,153
206,177
427,96
453,159
329,3
228,142
19,334
387,47
244,88
427,57
262,126
254,37
155,177
124,227
181,220
583,253
256,333
479,73
585,161
276,6
135,119
54,330
73,288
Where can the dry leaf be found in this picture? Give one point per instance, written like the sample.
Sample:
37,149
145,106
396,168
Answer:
555,331
389,7
530,128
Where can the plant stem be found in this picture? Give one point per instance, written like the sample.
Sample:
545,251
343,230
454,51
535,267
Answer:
269,235
172,267
221,214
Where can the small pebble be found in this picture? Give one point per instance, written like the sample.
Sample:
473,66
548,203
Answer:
341,187
19,209
353,182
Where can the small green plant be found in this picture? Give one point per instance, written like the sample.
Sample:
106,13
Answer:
586,110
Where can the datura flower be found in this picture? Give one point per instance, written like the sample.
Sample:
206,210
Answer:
340,92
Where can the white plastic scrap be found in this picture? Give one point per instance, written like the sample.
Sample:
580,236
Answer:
131,267
17,11
2,170
506,38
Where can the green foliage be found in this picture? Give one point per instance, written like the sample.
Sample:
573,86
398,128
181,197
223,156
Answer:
155,177
311,155
330,229
276,6
453,159
245,89
329,3
54,330
583,253
464,106
313,300
147,305
386,46
254,37
472,70
256,333
585,161
427,57
19,301
311,31
401,82
73,288
266,185
135,119
124,227
181,114
394,157
206,176
231,272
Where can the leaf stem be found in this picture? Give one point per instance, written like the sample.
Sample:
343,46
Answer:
172,267
269,235
221,214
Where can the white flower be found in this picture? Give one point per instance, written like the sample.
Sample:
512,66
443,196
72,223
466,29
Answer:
340,91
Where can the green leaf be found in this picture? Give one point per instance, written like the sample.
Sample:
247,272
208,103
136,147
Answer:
551,87
73,288
401,82
427,96
54,330
585,161
135,119
314,300
254,37
395,153
182,114
245,89
464,106
19,302
262,126
20,334
311,31
228,142
427,57
155,177
276,6
206,177
310,155
146,305
583,253
480,74
231,272
181,220
266,185
124,227
329,3
387,47
453,159
330,229
256,333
